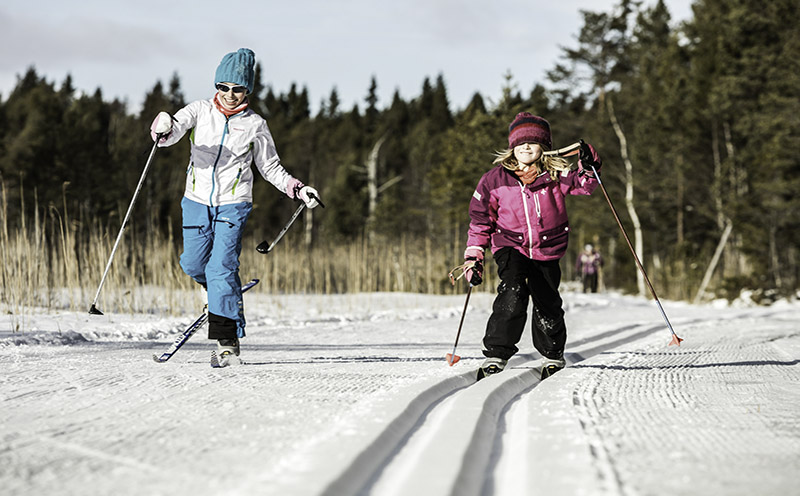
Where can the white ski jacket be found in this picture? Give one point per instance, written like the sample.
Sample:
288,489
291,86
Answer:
222,150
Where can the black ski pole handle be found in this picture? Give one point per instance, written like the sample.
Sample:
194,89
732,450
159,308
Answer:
312,195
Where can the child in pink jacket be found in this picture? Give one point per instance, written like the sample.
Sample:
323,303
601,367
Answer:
519,210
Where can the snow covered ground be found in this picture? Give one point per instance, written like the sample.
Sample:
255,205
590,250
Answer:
351,394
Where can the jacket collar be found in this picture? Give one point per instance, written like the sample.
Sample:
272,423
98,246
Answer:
540,182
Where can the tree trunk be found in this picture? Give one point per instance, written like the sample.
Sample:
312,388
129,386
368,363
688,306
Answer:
774,258
372,176
739,174
679,221
791,267
738,177
717,188
680,260
637,226
714,260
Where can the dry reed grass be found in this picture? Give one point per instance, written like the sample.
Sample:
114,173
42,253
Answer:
56,262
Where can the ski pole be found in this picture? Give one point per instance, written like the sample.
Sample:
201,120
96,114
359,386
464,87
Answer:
93,309
265,248
452,358
675,339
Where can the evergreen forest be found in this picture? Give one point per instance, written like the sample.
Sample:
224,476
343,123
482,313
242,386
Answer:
698,126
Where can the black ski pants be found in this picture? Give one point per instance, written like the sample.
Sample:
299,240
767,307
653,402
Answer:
522,279
590,283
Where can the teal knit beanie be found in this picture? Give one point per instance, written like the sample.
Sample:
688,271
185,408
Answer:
238,68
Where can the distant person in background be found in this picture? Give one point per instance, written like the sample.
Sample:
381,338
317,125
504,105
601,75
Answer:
587,266
226,138
519,210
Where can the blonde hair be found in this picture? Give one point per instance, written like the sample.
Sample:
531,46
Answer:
549,163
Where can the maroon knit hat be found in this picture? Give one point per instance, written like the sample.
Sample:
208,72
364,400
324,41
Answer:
529,128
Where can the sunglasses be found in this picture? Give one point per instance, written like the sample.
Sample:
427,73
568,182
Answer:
236,89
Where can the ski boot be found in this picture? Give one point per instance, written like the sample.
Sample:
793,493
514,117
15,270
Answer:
227,353
490,366
552,365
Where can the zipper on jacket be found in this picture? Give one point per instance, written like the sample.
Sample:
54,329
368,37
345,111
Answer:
527,219
216,161
233,191
538,209
190,170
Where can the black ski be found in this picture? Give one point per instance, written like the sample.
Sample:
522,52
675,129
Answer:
189,332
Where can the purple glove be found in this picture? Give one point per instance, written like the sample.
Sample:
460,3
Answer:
161,126
473,271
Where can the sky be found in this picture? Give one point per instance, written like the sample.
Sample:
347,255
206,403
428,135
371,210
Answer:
125,47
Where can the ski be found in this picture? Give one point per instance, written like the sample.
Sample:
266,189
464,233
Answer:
189,332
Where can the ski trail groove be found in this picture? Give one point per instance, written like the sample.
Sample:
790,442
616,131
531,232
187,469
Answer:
464,447
413,449
384,441
584,400
446,451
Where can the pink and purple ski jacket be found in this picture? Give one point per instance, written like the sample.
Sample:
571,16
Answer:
529,218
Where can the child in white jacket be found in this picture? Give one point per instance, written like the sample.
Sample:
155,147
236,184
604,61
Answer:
226,138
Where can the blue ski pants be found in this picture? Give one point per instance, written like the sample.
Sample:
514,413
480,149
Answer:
212,242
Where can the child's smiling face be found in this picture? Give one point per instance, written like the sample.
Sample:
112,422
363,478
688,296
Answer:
231,95
527,153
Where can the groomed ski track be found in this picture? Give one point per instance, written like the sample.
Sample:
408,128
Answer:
465,437
460,435
366,404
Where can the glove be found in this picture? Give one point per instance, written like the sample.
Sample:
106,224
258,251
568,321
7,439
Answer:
589,158
162,125
309,195
473,270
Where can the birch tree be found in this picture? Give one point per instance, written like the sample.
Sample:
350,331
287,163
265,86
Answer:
597,66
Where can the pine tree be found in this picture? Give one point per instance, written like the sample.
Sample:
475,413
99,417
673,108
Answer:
34,113
371,112
440,106
746,54
333,104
